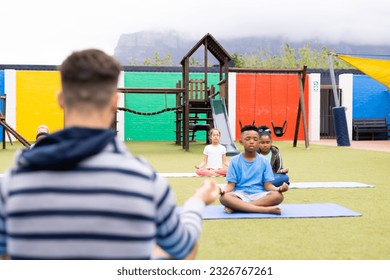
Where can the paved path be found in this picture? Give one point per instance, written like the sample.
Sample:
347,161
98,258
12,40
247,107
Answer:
377,145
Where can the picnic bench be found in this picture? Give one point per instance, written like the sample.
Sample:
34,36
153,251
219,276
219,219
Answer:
370,128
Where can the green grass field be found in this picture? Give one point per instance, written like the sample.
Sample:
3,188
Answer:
353,238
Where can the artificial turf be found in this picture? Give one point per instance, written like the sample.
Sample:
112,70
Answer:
350,238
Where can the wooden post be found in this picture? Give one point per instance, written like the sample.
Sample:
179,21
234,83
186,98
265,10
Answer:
301,109
1,117
297,125
226,85
186,109
222,88
205,65
178,112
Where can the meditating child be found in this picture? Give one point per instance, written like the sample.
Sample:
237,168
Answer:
214,158
249,187
273,155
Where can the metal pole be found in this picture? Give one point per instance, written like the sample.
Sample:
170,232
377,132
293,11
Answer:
339,118
333,80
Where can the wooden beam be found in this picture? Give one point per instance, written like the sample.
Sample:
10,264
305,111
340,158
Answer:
152,90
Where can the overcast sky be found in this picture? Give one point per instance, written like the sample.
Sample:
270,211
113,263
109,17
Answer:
46,31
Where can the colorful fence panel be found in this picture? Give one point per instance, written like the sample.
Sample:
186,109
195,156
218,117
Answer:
36,102
159,127
371,98
264,98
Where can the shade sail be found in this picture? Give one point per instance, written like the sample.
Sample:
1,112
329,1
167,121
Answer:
378,69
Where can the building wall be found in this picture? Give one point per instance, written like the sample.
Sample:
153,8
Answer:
31,100
36,102
161,126
371,99
314,106
346,85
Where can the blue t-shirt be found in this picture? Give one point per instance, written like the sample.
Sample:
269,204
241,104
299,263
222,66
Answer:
249,176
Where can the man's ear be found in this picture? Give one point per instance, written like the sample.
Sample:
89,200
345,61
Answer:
114,101
60,99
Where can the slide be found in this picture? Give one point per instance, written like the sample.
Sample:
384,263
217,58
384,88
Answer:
221,122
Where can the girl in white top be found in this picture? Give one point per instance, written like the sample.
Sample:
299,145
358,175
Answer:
214,159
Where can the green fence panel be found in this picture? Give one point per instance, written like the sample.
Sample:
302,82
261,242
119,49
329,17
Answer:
159,127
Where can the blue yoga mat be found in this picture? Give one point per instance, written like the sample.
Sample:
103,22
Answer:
311,210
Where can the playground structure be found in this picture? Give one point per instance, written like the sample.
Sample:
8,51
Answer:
193,106
7,129
194,110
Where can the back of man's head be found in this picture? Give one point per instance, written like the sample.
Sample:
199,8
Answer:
89,77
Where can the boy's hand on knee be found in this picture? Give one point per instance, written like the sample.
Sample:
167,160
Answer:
283,188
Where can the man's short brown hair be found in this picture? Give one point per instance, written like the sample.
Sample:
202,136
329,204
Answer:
89,77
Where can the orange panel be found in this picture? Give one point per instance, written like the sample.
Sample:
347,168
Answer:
269,97
246,89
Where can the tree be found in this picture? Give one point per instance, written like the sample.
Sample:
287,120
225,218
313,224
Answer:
288,58
195,63
157,61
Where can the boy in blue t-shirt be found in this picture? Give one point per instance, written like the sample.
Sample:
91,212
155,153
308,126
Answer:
249,177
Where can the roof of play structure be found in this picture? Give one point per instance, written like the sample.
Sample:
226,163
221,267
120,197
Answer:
378,69
213,46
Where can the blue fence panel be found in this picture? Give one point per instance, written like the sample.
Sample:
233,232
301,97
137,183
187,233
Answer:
371,99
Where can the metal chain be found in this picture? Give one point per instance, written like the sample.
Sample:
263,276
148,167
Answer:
151,113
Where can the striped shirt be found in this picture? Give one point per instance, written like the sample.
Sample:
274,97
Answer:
111,205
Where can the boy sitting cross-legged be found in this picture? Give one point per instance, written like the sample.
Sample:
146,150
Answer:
249,177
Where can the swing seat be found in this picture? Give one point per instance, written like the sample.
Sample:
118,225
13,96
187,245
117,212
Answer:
279,130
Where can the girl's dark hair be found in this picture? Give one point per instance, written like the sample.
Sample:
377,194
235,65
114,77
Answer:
265,133
263,128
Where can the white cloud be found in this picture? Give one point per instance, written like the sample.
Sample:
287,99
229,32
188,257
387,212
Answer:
45,31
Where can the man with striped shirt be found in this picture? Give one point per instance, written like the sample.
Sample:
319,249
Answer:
79,194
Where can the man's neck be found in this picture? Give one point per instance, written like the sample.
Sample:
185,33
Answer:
88,119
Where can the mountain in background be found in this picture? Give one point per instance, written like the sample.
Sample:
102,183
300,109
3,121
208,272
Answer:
134,48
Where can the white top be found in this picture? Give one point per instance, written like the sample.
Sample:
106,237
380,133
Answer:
214,155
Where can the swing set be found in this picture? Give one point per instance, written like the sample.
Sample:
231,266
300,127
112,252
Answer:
280,130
